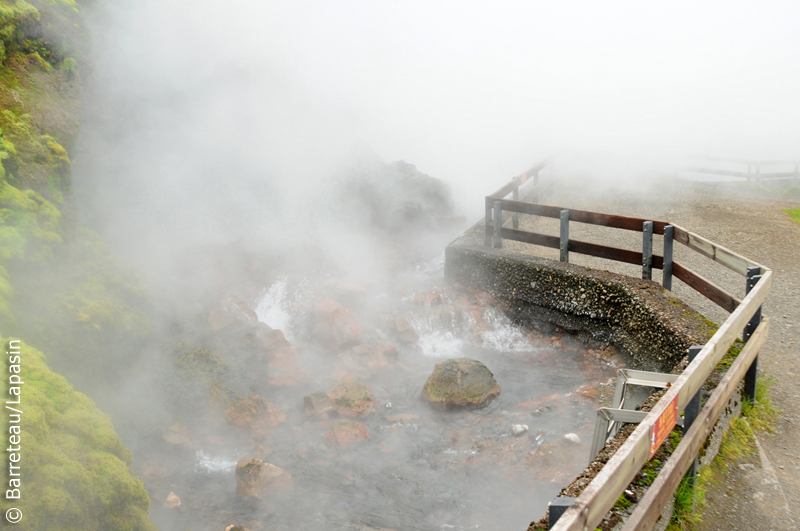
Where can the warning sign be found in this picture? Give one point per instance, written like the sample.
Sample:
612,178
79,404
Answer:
663,425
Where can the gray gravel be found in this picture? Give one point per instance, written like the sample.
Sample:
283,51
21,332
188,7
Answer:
764,494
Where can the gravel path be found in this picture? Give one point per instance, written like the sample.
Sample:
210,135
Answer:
764,494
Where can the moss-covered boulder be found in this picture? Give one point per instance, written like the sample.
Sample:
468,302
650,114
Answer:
352,397
460,382
75,470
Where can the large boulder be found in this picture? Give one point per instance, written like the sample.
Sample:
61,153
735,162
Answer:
460,382
254,413
334,325
256,478
352,398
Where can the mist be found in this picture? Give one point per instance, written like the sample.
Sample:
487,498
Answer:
221,138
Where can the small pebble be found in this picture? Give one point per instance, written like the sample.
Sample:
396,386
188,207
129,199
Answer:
572,437
518,429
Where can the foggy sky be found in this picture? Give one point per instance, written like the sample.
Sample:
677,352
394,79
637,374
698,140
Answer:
196,108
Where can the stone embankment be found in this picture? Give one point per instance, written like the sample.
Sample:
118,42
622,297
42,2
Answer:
649,326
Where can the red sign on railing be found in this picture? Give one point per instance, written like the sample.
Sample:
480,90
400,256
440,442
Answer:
663,425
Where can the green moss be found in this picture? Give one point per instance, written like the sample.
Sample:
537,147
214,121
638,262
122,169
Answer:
794,213
76,469
622,503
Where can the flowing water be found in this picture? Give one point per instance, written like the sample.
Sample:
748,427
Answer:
421,468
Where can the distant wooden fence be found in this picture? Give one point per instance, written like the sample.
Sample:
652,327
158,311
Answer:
599,496
786,169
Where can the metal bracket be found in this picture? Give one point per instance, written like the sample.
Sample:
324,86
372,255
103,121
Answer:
611,419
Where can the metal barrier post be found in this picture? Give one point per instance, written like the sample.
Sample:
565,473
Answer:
750,378
498,224
691,412
669,236
556,508
564,246
488,239
647,250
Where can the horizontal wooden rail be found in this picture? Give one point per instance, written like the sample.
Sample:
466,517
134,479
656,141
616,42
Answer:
748,162
576,246
600,495
705,287
649,509
582,216
744,175
518,180
718,253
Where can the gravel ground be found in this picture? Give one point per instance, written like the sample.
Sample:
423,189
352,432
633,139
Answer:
765,493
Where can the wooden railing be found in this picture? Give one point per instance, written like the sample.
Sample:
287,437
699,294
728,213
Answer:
722,166
599,496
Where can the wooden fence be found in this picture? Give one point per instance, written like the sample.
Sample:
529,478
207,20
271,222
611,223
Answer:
777,169
599,496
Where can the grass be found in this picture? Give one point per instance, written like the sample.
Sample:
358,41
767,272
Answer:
738,444
794,213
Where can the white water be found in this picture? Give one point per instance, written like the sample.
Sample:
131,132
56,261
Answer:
208,464
503,335
272,308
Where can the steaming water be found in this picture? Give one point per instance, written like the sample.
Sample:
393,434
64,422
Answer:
208,464
272,308
421,468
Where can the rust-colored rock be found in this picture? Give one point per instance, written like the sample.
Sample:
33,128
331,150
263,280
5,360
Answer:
256,478
345,432
271,339
254,413
284,368
172,501
460,382
317,403
352,398
231,311
432,298
334,325
232,527
403,330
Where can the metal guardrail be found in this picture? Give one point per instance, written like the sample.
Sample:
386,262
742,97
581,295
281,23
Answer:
588,510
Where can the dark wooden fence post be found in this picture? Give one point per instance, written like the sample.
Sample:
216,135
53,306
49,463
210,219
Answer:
515,216
647,250
669,237
750,379
564,232
498,225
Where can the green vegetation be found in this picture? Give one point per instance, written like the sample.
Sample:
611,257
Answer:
75,470
738,444
684,516
60,289
794,213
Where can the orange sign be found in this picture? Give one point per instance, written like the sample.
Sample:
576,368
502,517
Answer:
663,425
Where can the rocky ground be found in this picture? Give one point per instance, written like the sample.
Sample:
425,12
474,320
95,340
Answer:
765,493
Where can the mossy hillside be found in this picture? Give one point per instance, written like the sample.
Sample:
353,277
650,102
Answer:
60,289
75,469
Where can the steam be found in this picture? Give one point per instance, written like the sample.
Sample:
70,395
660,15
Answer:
221,141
